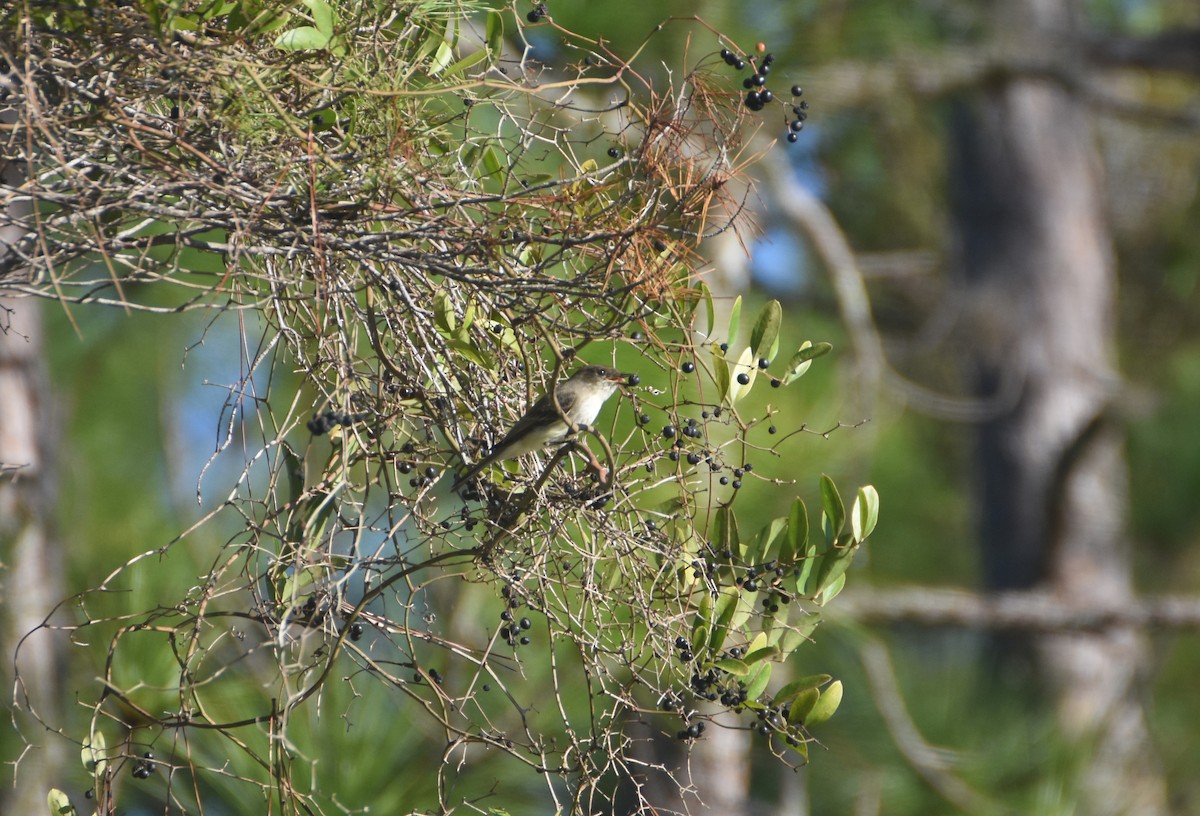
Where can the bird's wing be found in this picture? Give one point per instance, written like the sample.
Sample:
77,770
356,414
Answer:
543,411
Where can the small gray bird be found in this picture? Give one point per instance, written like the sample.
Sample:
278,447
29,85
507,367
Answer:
580,397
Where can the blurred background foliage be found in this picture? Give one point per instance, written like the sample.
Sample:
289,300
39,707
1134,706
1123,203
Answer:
138,426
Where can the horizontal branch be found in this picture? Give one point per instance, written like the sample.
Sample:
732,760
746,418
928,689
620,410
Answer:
1076,65
1030,610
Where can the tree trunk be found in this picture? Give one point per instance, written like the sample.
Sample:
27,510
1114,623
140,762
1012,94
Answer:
30,556
1037,262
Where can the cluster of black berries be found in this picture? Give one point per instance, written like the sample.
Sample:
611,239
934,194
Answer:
427,477
467,519
766,577
511,632
674,702
717,684
683,650
539,11
773,720
732,59
313,612
434,675
144,766
404,392
324,423
770,719
758,96
510,629
800,111
705,684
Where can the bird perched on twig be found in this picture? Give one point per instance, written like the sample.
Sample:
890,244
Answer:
579,400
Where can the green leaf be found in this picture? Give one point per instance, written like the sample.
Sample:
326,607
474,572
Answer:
323,16
491,162
735,320
724,532
745,610
865,513
468,320
704,294
184,22
720,373
803,358
759,549
797,532
800,747
700,628
442,57
443,312
744,365
734,666
472,352
220,9
766,329
831,504
807,564
756,683
761,654
304,38
831,589
59,804
293,472
773,351
430,44
802,705
791,639
824,708
466,62
95,753
727,606
494,35
812,681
